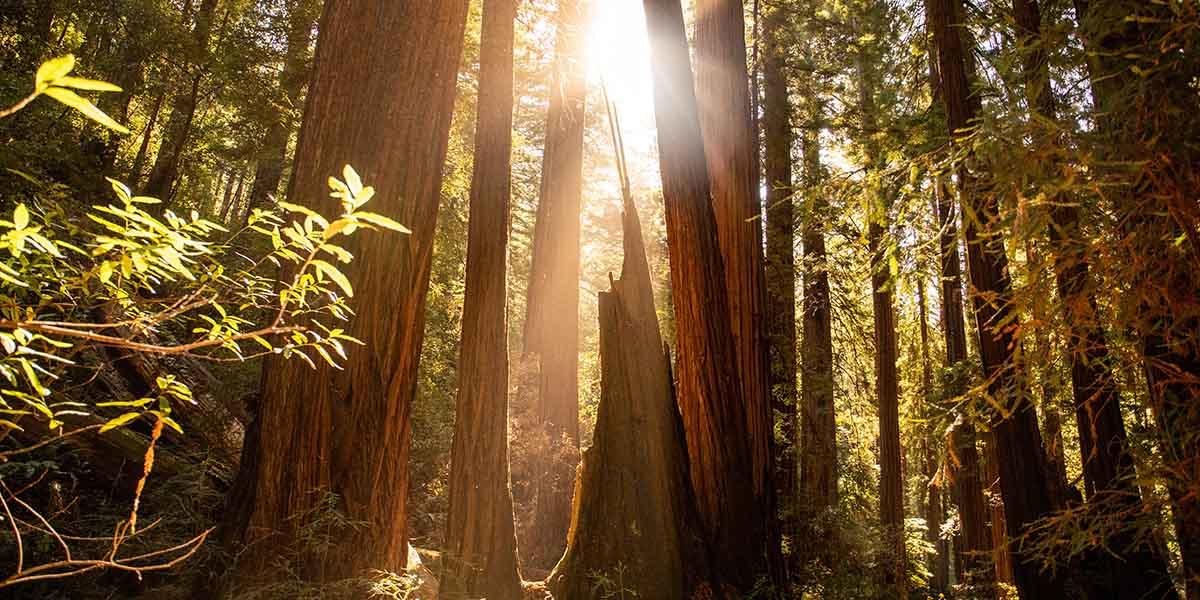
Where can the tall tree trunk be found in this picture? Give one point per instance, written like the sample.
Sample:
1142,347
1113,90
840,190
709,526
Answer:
1022,465
935,510
780,258
380,67
731,150
1001,557
887,381
302,14
480,554
552,314
1127,568
183,108
233,194
1143,86
714,415
634,519
818,431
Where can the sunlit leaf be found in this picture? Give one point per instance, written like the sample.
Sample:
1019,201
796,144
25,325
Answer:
82,105
119,421
53,69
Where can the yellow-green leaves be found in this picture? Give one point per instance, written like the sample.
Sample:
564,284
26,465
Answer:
52,80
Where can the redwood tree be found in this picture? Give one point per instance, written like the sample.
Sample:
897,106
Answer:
780,250
818,429
731,150
381,100
965,464
480,554
1129,569
552,313
1021,462
714,415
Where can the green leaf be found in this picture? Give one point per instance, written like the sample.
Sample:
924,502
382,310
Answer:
88,109
139,403
337,276
20,217
92,85
353,181
381,221
119,421
54,69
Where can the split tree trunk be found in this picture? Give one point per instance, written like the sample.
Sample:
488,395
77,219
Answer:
381,66
935,505
634,521
731,150
714,416
552,313
479,558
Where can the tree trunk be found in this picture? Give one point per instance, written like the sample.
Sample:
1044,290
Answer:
183,109
480,554
781,259
1126,568
1021,462
714,415
139,160
818,431
552,314
302,14
887,381
731,150
381,66
935,511
1145,97
634,525
229,206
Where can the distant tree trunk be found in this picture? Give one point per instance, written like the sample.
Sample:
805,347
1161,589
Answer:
818,430
139,161
974,541
344,434
1022,464
1127,568
183,109
233,195
302,14
479,557
731,150
714,415
552,314
781,258
634,521
935,509
887,381
1001,557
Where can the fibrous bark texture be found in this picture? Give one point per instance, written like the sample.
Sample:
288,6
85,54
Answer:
634,522
731,150
551,333
714,415
479,557
381,100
